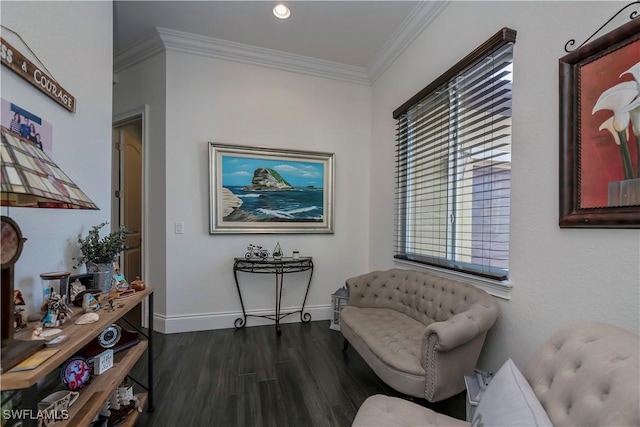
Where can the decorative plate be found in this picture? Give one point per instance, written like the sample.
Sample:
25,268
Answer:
75,372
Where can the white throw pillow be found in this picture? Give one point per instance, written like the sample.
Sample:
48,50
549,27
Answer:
509,401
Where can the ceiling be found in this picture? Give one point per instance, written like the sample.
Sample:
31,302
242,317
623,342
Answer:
346,32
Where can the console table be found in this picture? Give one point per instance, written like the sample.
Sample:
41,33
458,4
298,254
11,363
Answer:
277,267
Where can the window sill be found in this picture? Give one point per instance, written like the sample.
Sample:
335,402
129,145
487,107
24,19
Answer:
492,287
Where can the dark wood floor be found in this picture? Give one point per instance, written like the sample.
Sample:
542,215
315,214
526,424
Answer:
249,377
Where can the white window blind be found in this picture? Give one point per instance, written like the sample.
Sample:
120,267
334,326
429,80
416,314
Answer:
453,165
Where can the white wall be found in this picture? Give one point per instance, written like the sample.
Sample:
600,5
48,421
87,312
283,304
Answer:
559,275
215,100
74,41
140,88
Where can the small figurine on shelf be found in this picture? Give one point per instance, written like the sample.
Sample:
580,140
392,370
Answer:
89,303
56,311
119,282
277,252
138,284
18,310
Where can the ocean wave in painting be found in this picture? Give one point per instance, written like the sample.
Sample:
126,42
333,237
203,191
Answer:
298,204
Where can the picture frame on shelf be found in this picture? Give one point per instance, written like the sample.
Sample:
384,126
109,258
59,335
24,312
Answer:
599,139
268,190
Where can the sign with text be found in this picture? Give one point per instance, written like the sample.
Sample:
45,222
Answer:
19,64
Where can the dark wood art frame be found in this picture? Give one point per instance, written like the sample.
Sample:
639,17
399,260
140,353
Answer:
571,212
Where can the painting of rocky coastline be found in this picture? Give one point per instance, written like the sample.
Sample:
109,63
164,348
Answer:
261,192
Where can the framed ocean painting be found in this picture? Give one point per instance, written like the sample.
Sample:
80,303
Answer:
265,190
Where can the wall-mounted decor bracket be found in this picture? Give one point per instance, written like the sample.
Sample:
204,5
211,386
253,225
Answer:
568,46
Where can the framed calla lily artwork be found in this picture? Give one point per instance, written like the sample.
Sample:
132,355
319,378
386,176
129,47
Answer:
600,132
267,190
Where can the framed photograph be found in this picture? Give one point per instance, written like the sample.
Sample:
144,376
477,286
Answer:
600,132
27,125
265,190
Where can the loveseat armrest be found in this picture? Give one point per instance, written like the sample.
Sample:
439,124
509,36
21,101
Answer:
451,348
462,327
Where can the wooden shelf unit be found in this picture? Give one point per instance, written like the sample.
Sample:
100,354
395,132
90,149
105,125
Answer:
93,396
133,417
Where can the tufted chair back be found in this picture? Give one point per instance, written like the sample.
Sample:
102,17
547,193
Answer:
421,295
587,374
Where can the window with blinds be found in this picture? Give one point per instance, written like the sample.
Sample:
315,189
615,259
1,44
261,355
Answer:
453,165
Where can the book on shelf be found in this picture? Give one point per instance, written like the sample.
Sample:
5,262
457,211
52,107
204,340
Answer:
35,360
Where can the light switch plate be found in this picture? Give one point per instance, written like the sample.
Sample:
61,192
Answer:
179,227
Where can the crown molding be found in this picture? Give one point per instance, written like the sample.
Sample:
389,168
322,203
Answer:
164,39
178,41
419,18
138,51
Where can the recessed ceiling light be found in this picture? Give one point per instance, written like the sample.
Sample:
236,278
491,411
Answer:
281,11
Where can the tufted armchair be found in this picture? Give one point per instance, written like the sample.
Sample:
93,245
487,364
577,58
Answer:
419,332
586,374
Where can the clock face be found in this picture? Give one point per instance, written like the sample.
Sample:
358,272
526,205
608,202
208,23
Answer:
110,336
12,242
76,373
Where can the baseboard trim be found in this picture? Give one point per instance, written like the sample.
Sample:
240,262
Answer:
224,320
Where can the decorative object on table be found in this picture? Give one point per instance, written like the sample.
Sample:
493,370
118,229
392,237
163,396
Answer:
41,184
87,319
113,337
56,311
600,131
254,251
339,300
75,372
19,321
277,252
121,294
18,299
89,303
49,333
37,332
55,407
57,282
110,336
103,362
99,253
79,299
274,197
138,285
105,411
119,282
75,289
119,405
295,255
57,341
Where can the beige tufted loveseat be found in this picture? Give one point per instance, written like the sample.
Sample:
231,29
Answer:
419,332
586,374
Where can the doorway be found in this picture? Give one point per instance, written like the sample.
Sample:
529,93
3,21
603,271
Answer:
128,198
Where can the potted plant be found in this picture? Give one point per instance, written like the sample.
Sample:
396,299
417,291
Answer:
98,253
277,252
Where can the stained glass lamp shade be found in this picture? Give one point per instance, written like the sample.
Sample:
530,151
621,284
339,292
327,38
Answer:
31,179
28,178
